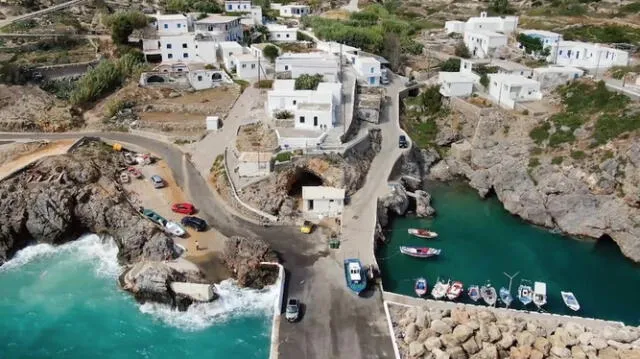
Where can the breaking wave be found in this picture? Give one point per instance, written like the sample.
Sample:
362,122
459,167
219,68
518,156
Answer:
233,302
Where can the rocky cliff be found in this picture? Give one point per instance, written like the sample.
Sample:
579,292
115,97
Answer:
243,256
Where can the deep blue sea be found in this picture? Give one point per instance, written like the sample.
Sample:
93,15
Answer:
64,302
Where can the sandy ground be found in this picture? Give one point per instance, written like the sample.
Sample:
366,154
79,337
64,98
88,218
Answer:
210,242
18,155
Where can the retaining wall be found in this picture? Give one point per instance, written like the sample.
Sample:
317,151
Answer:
277,310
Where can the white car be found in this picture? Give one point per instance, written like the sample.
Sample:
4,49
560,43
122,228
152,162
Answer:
175,229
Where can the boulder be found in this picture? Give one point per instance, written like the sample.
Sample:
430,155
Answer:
598,343
535,354
622,335
506,342
473,324
574,329
630,354
449,340
460,316
411,333
608,353
578,353
494,333
561,352
242,257
416,349
462,332
542,345
471,346
562,338
422,318
456,353
433,343
525,339
441,327
489,351
520,352
585,338
423,204
439,354
618,345
485,316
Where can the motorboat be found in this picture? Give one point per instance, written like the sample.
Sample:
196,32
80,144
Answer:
505,296
421,287
174,229
455,290
539,294
570,301
420,252
488,294
474,293
422,233
525,294
355,274
440,289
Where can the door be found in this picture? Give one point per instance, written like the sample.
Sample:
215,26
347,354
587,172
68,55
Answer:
372,80
315,121
310,202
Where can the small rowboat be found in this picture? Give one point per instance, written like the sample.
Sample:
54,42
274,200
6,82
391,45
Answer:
455,290
474,293
525,294
420,252
440,289
488,294
570,301
505,296
421,287
422,233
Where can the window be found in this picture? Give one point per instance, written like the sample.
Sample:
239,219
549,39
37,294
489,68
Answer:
210,28
253,66
168,46
278,36
199,78
230,7
294,102
245,6
560,52
301,119
244,66
185,55
568,53
166,26
371,70
286,67
287,36
170,56
230,53
184,46
179,26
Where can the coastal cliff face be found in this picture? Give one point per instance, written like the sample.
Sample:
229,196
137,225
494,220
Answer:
243,256
60,197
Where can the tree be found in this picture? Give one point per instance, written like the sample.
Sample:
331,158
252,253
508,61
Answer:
500,7
531,45
308,82
430,100
451,65
462,50
270,52
122,24
392,51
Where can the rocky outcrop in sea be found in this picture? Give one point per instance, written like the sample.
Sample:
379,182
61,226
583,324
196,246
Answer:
243,256
478,333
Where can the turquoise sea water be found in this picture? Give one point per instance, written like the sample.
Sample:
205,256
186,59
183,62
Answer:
480,241
64,302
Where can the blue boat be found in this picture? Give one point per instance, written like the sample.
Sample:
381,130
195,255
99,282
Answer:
505,296
525,293
355,274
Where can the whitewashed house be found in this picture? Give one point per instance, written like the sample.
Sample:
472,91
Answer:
587,55
511,68
503,24
321,201
368,70
456,84
297,64
254,164
256,15
180,75
335,48
246,66
282,33
237,6
229,27
171,24
547,38
294,10
227,50
553,76
483,43
507,90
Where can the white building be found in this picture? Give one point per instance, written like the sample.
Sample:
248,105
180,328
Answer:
547,38
294,10
456,84
237,6
511,67
227,51
587,55
483,43
282,33
171,24
368,70
180,75
229,27
254,164
312,109
322,201
309,63
503,24
256,15
506,90
246,66
553,76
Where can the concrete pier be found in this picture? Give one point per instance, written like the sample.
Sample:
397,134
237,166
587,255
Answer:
196,291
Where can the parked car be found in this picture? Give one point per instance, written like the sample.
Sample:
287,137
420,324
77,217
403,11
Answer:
307,227
384,77
175,229
196,223
402,142
157,181
293,310
184,208
134,172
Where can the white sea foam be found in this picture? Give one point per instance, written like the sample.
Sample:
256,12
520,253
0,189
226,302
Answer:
233,302
90,247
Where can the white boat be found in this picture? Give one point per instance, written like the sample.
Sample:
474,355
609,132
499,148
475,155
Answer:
474,293
488,294
422,233
525,293
175,229
455,290
421,287
440,289
570,301
539,294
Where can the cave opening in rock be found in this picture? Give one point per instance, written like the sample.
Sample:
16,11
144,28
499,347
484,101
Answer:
302,178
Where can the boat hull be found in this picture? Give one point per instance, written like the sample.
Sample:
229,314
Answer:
525,295
425,234
474,293
570,301
421,287
356,286
420,252
488,295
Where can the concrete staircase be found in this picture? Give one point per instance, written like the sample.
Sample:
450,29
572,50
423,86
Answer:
333,138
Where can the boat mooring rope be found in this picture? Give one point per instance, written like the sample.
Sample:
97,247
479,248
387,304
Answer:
393,255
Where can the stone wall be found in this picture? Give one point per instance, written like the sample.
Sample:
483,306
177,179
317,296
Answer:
460,333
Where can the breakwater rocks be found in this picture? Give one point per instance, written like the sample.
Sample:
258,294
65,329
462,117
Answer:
464,332
242,257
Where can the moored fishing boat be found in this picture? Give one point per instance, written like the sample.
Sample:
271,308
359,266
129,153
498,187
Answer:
474,293
488,294
420,252
422,233
505,296
455,290
440,289
421,287
539,294
570,301
355,275
525,293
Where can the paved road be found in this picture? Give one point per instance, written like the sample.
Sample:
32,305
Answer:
9,20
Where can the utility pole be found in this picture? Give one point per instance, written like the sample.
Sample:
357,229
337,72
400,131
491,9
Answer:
598,64
259,71
344,123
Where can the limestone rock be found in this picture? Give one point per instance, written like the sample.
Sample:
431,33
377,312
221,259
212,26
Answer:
617,345
598,343
561,352
574,329
622,335
411,333
585,338
449,340
416,349
542,345
423,204
535,354
630,354
485,316
525,339
489,351
441,327
608,353
422,318
456,353
460,316
494,333
506,342
578,353
471,346
439,354
520,352
462,332
243,256
433,343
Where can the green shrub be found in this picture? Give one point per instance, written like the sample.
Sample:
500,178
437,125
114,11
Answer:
283,156
484,80
534,162
536,151
122,24
308,82
618,72
270,52
631,8
559,137
450,65
578,155
263,84
462,50
540,133
608,33
531,44
283,115
610,126
243,84
557,160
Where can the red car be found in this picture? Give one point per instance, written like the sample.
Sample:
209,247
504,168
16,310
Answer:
184,208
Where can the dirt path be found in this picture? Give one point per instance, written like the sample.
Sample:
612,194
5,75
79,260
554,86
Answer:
53,148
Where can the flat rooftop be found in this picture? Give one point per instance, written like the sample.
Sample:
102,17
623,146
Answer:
217,19
539,32
558,69
314,106
322,192
246,57
512,79
509,65
486,33
456,77
284,84
167,17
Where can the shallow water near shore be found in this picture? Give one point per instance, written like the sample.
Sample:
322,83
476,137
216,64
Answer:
65,302
480,241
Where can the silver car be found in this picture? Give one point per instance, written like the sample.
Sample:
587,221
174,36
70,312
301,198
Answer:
293,310
157,181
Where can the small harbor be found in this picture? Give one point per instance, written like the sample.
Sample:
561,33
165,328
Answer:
480,242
